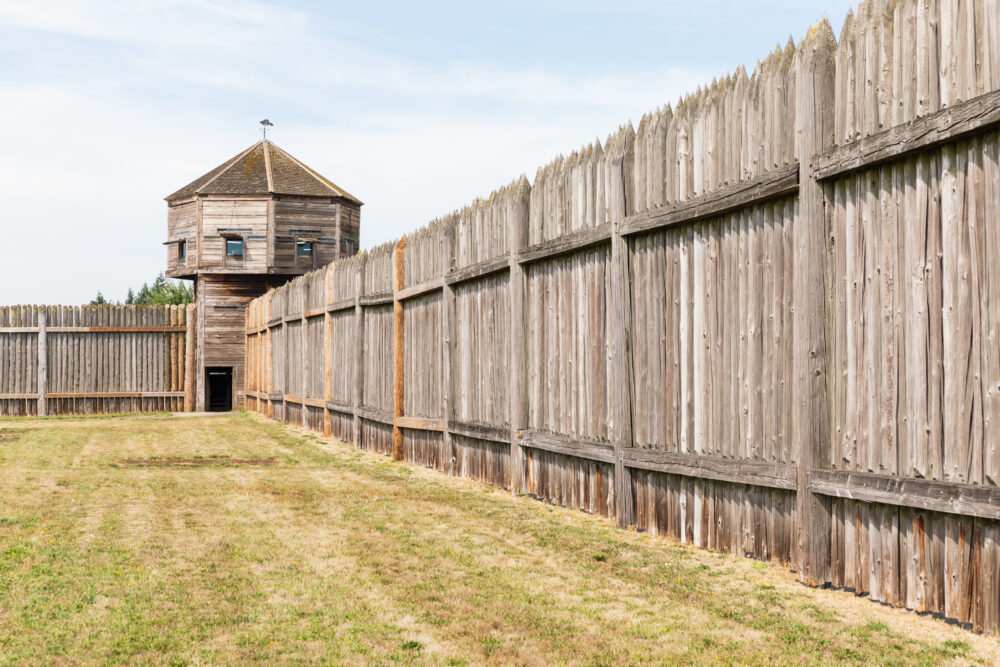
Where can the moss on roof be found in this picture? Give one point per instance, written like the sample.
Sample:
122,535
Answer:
251,171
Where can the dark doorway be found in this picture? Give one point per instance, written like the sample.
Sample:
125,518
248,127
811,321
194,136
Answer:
220,389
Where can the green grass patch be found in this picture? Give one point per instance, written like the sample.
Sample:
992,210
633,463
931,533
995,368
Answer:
231,539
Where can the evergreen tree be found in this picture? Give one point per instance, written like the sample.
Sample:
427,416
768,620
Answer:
163,292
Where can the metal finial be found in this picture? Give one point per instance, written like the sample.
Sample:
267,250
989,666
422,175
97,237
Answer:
264,124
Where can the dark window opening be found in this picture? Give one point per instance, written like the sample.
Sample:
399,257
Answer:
304,248
219,383
182,251
234,247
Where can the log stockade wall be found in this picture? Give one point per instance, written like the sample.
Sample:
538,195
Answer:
59,360
766,322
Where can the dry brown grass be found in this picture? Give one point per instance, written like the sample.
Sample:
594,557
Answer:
330,554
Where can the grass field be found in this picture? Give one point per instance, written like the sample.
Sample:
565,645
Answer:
232,539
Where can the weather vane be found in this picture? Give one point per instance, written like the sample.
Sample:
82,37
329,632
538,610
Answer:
264,124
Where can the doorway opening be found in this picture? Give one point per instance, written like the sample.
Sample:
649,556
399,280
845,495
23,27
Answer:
220,389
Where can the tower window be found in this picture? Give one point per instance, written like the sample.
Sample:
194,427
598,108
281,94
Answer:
304,248
234,247
182,252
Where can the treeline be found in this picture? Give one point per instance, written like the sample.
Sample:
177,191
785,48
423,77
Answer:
163,292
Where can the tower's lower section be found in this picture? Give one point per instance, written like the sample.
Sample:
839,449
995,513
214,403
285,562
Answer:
220,352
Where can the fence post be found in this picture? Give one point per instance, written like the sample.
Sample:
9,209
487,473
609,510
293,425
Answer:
358,348
189,336
814,130
285,365
447,326
199,354
518,286
269,357
304,352
328,353
43,361
620,358
398,350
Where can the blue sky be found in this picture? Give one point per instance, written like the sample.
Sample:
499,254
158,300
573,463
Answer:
106,107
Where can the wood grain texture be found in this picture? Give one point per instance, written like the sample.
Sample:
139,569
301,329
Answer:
398,349
60,360
953,498
696,329
811,422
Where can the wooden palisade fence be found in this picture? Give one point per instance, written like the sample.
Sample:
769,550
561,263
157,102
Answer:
95,359
767,322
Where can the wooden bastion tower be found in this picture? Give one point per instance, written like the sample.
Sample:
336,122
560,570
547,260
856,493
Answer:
252,223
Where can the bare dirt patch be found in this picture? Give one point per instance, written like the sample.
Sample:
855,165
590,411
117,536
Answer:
179,462
10,435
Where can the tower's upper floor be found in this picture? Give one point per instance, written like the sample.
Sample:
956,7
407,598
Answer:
260,212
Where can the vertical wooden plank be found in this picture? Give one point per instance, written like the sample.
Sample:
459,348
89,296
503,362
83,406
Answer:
43,362
889,250
357,350
991,312
961,345
518,286
189,364
620,355
283,360
398,350
328,347
814,121
199,299
447,307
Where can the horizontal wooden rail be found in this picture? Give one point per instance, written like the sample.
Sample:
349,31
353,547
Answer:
343,304
979,500
119,329
310,402
118,394
315,312
372,415
377,300
565,244
479,431
421,289
779,182
340,406
951,124
263,395
569,446
737,471
97,394
478,270
420,423
254,331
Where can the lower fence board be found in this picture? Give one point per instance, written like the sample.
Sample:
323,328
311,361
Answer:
426,448
747,520
473,458
569,481
313,418
342,426
944,564
482,460
375,437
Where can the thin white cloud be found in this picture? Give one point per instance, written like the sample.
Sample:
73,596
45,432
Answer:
102,146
